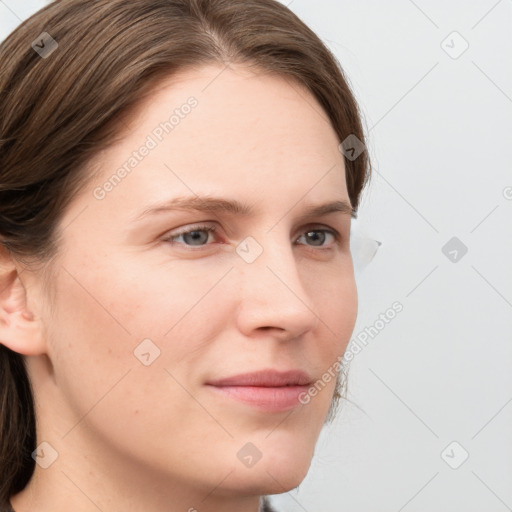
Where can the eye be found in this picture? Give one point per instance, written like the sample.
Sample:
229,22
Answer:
312,235
195,236
192,235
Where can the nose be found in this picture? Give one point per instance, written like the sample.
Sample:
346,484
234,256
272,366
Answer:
271,294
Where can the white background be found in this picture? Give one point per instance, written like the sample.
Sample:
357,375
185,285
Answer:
440,138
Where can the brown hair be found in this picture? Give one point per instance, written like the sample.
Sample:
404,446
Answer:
58,110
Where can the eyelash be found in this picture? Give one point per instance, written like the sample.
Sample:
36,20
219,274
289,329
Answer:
213,229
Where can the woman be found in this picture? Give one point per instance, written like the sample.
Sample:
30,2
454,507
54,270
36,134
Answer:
142,366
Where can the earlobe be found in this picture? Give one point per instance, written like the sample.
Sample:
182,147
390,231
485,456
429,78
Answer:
20,329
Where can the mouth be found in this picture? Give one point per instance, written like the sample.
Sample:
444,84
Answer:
266,390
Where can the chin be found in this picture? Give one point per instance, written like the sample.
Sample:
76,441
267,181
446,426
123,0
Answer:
263,482
275,473
285,479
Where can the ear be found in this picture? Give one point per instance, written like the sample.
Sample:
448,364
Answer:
20,329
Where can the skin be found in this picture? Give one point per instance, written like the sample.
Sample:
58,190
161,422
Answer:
155,438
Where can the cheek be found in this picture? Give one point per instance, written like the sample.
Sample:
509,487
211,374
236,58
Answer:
105,315
336,301
90,344
161,296
100,320
347,309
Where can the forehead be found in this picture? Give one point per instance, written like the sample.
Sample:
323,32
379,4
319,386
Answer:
247,132
232,105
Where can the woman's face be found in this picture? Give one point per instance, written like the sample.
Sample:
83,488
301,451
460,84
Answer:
145,316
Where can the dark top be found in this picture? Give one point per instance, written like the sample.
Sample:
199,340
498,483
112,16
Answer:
266,506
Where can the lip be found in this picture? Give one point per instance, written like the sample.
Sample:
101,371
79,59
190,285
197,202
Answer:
267,390
266,378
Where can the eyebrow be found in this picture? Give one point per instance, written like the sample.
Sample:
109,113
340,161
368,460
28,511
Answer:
234,207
